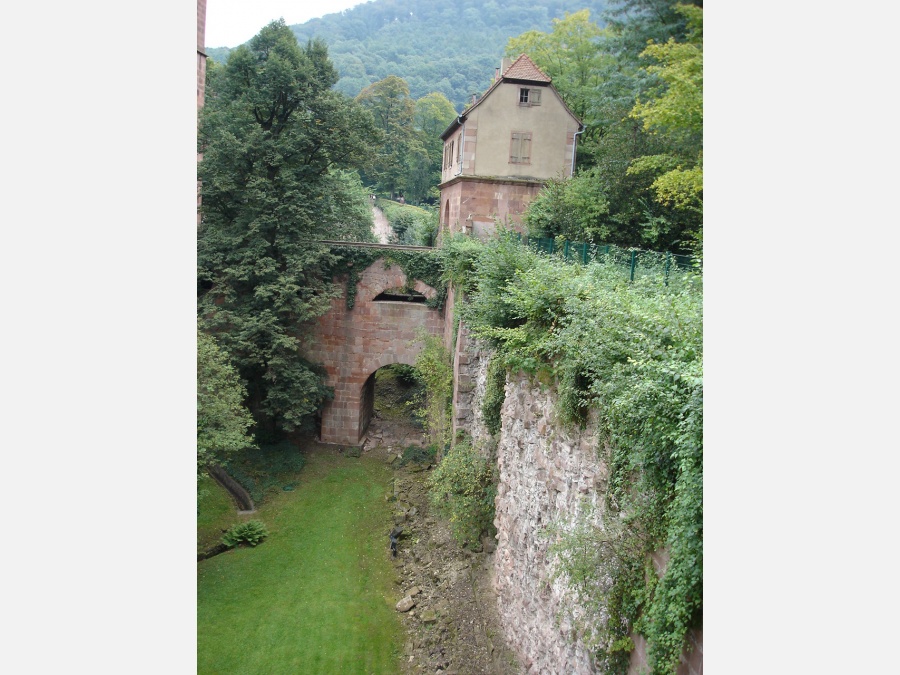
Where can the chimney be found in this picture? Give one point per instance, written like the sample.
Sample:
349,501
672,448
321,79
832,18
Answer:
496,74
474,98
504,65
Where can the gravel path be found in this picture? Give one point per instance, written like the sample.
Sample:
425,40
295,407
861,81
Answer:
381,229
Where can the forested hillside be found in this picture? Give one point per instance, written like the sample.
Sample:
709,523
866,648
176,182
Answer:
448,47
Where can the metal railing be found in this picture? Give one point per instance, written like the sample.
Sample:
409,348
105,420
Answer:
636,260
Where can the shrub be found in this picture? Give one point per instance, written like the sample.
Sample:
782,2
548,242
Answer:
413,453
408,375
266,468
436,372
252,533
462,489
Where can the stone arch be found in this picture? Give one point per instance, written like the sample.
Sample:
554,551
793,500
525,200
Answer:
367,390
353,343
378,278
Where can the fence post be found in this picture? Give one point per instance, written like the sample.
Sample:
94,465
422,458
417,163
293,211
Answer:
633,260
668,261
566,251
584,253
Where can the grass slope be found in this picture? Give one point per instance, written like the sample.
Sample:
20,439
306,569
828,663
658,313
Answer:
317,595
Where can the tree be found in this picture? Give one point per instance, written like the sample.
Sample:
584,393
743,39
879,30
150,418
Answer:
433,115
622,192
676,110
394,111
570,55
223,422
277,146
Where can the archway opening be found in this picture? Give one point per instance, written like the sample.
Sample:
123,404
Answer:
400,295
391,398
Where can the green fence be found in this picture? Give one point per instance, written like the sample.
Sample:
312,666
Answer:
637,261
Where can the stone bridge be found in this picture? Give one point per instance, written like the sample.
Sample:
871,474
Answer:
378,331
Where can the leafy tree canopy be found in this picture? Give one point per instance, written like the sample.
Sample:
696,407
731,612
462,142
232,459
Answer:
279,148
640,157
676,109
223,423
447,47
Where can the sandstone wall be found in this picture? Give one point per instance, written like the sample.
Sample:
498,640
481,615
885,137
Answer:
549,475
352,344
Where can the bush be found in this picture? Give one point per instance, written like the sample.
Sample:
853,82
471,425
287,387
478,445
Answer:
407,375
462,489
267,468
436,372
252,533
413,453
412,225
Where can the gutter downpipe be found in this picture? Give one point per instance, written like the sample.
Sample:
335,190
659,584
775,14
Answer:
575,146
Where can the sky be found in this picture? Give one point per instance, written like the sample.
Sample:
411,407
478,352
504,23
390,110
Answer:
230,23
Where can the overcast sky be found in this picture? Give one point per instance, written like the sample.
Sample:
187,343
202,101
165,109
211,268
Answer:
230,23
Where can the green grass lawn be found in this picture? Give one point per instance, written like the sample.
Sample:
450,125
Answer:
317,596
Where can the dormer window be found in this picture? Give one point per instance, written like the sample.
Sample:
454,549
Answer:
529,97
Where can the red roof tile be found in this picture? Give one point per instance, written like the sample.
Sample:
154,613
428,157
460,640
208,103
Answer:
524,69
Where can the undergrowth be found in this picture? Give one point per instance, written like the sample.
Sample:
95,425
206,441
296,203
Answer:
267,468
418,455
462,488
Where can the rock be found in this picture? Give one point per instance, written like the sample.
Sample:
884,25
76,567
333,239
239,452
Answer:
413,592
353,451
489,544
406,604
429,616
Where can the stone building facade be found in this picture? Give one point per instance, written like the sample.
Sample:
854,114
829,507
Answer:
499,152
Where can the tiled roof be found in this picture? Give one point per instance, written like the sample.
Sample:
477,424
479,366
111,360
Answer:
524,69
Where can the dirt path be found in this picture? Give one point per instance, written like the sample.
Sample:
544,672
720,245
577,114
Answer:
382,229
454,626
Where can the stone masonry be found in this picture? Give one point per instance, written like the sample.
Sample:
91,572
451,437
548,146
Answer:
550,474
353,344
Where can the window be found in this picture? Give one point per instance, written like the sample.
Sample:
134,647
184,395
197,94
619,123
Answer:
448,154
529,97
520,148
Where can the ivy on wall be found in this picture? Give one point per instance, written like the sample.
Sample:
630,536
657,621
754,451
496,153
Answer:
426,266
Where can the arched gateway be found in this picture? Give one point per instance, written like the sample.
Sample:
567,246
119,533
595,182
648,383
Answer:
352,344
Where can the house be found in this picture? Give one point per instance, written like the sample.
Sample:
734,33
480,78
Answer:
500,151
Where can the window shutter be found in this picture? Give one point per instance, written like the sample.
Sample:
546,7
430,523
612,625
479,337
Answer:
534,97
520,147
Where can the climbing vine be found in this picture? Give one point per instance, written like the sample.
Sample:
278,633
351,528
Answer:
494,394
426,266
436,372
